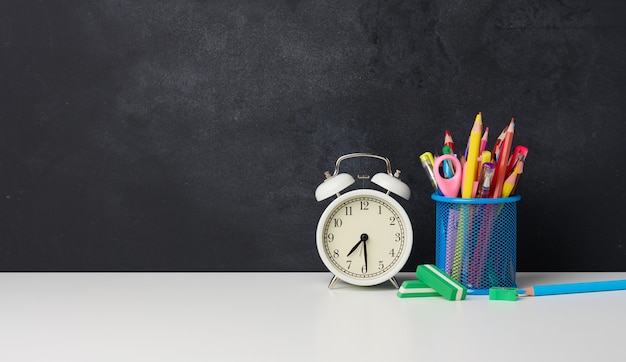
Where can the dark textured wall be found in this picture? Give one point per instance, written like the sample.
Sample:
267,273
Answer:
191,135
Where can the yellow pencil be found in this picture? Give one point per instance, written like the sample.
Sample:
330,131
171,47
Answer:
510,181
469,174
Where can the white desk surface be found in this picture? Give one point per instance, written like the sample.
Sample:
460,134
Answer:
294,317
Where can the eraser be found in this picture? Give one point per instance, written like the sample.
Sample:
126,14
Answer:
501,293
416,288
441,282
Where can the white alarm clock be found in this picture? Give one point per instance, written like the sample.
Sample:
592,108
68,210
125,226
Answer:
364,237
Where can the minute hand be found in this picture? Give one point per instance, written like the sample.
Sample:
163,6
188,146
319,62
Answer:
365,254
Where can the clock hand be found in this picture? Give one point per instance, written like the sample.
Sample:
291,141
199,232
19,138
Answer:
363,238
365,254
354,248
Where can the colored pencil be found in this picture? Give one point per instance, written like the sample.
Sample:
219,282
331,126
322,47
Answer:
511,180
483,141
473,147
503,161
447,141
586,287
462,233
496,147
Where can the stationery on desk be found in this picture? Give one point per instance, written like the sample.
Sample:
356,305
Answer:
477,180
584,287
478,173
473,148
434,282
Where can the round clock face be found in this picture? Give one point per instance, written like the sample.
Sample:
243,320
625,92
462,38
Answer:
364,237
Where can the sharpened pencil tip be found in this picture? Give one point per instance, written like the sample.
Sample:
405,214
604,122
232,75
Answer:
527,292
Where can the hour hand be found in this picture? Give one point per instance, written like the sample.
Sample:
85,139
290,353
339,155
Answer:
354,248
363,238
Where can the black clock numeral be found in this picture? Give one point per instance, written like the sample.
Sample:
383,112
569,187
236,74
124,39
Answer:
364,269
348,210
365,205
330,237
336,253
381,266
349,263
392,253
338,223
392,220
398,238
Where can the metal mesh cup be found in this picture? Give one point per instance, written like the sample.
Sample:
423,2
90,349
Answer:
476,241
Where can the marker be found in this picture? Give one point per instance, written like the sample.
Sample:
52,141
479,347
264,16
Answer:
485,157
427,161
519,154
587,287
473,147
486,177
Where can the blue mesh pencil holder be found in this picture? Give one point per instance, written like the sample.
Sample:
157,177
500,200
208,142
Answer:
476,241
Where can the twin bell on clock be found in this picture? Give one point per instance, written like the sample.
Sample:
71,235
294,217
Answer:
364,237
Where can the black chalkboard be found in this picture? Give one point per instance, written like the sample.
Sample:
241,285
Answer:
190,135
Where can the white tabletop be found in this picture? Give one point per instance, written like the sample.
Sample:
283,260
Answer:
294,317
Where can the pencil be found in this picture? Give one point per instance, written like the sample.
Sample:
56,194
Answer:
483,141
473,145
447,141
496,147
503,160
587,287
511,180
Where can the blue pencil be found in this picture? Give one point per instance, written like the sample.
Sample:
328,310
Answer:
601,286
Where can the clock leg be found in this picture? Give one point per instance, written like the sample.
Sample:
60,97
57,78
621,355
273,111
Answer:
394,281
332,282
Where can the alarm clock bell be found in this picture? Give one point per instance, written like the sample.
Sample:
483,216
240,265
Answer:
392,184
338,182
333,185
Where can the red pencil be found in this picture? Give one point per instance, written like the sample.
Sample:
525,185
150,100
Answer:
503,160
449,142
498,144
